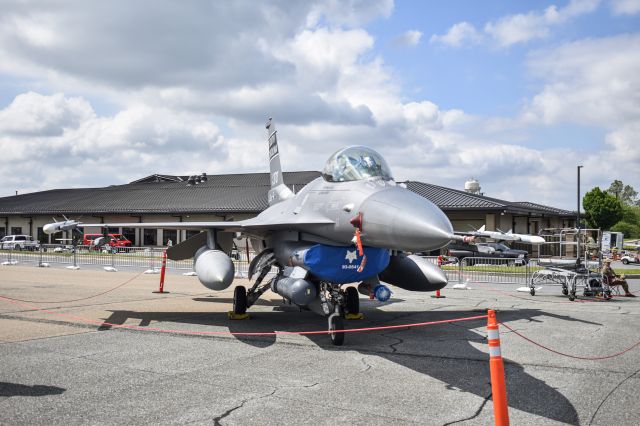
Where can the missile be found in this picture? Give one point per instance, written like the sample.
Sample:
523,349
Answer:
52,228
531,239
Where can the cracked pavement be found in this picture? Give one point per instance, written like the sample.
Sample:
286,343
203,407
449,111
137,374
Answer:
68,370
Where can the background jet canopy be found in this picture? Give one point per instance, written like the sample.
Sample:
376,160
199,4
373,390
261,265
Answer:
356,163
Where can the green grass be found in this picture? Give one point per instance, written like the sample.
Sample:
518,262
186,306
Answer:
497,269
523,270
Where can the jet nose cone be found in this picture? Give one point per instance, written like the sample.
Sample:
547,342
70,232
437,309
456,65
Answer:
400,219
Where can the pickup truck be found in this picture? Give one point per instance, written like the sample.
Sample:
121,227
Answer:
629,258
19,242
488,250
114,241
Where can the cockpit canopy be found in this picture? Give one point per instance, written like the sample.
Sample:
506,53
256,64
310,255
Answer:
356,163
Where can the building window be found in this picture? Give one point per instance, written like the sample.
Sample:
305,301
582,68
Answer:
113,230
191,233
42,237
16,230
169,234
150,237
129,234
3,232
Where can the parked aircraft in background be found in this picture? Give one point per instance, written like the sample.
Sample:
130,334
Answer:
351,225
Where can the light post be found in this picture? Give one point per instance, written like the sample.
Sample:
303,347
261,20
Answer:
578,218
578,211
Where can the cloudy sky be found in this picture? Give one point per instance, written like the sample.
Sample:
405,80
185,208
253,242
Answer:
515,94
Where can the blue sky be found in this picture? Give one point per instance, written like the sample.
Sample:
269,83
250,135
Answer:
515,94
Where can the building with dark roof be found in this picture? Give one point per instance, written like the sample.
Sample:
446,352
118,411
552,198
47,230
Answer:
160,198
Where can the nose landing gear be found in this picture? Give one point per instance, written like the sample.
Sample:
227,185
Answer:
338,304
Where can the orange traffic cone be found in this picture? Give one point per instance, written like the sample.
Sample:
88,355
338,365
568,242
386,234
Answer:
498,386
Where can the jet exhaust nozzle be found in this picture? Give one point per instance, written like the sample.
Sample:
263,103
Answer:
214,268
299,291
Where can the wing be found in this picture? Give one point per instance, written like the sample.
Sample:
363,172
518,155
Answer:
226,226
254,225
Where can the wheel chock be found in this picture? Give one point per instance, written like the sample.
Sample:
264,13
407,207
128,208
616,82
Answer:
357,316
234,316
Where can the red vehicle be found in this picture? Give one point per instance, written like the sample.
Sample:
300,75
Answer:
115,240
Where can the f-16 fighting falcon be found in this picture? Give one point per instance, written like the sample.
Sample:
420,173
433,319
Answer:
351,225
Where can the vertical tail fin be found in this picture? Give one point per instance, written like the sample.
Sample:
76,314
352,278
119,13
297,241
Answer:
279,191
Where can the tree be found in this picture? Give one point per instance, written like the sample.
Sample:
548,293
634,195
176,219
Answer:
625,193
628,229
629,225
602,210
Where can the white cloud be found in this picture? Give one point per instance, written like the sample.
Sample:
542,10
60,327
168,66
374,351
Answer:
588,82
408,39
517,28
521,28
624,146
348,12
459,34
62,142
625,7
34,114
592,83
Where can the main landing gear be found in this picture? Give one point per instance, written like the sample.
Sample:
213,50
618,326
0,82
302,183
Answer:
240,300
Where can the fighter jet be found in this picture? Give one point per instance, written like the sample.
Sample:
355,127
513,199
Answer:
353,224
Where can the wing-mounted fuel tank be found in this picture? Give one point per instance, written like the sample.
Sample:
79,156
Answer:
413,273
214,268
188,248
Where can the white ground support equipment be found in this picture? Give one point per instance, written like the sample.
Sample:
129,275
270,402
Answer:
592,282
574,272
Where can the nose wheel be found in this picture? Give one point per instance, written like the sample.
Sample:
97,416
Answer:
352,301
336,326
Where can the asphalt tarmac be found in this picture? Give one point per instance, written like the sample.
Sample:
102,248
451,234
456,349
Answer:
61,364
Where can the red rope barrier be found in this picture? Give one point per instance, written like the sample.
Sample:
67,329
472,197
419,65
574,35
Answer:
229,333
568,355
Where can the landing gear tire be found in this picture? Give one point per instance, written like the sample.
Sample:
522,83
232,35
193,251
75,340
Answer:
353,301
336,323
532,291
240,300
572,296
565,291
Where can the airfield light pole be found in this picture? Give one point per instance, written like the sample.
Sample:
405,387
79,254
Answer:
578,218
